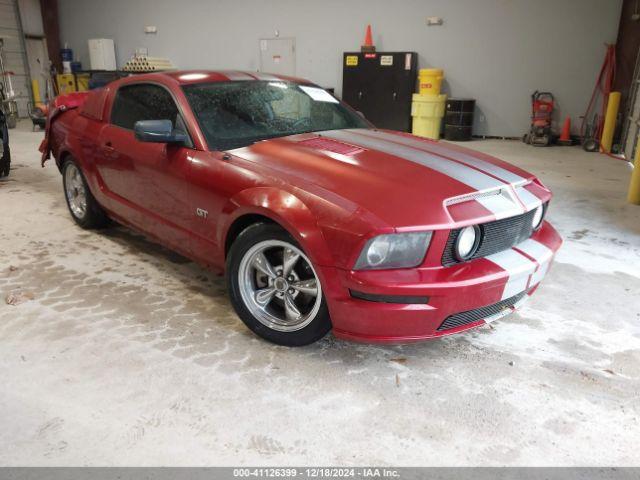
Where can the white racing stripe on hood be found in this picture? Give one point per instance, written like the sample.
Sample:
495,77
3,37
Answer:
457,171
529,200
501,205
488,167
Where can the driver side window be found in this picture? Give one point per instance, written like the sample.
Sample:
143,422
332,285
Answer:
143,102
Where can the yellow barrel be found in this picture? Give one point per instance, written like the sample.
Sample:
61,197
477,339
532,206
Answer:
427,112
430,81
634,183
610,121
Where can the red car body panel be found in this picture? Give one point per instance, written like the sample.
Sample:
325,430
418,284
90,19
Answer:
331,191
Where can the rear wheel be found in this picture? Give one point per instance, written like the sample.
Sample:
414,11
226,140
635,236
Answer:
83,206
274,288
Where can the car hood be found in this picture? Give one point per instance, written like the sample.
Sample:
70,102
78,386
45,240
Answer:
404,180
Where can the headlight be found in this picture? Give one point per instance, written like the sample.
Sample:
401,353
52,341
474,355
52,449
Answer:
538,215
467,242
395,250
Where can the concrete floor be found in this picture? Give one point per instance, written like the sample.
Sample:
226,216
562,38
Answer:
127,354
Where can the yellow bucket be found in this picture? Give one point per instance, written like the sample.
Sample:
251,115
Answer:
430,81
427,112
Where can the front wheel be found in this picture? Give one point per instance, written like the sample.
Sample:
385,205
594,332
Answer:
274,288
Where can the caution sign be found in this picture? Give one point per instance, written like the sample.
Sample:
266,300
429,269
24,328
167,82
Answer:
386,60
351,61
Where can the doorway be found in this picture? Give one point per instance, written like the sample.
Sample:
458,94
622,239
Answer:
277,55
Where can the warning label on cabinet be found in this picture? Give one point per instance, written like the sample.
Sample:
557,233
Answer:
386,60
351,61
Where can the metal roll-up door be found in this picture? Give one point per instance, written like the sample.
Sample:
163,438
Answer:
14,54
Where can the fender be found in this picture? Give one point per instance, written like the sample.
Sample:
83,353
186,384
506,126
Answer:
59,105
284,208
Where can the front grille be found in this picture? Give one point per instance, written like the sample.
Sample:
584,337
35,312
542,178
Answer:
471,316
495,237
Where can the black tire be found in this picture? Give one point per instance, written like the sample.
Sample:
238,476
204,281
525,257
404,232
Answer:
94,216
5,160
260,232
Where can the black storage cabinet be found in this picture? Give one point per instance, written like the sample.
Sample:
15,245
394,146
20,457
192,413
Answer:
380,85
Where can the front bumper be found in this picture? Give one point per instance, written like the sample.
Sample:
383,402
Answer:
513,274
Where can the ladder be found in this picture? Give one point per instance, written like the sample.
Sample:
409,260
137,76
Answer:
631,123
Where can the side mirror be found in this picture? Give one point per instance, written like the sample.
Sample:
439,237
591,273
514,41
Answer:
158,131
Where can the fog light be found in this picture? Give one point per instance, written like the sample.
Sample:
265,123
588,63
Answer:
536,221
467,242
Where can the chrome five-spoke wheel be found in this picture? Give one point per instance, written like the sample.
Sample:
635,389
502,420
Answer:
75,191
275,288
84,208
279,286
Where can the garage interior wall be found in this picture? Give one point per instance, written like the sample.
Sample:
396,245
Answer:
496,51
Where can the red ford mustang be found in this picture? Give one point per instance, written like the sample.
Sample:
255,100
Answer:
320,220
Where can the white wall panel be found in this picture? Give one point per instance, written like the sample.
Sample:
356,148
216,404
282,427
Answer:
497,51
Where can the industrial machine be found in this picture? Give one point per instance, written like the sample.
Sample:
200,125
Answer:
542,105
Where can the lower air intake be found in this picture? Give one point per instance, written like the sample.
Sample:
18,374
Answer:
472,316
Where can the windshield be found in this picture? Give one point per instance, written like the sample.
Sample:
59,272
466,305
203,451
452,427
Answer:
236,114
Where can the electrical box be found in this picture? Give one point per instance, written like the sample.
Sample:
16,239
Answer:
102,54
381,85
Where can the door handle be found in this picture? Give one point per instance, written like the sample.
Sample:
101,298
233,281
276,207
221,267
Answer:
359,95
395,96
108,147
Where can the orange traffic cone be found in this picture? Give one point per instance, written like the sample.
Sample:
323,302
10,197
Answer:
565,135
368,42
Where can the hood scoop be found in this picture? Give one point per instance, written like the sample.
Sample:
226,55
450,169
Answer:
327,144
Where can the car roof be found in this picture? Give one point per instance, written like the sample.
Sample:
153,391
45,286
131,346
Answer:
187,77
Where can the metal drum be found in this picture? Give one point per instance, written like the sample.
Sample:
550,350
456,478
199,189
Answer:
458,119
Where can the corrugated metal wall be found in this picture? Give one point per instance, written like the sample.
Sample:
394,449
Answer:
14,55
